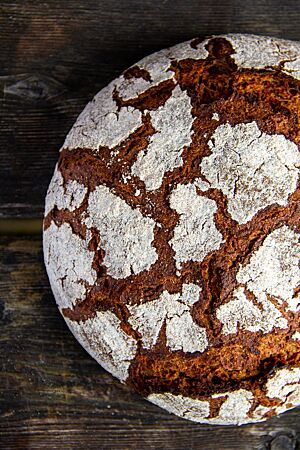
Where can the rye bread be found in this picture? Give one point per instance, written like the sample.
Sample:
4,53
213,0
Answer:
171,230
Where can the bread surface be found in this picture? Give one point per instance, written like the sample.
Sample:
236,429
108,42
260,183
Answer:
171,230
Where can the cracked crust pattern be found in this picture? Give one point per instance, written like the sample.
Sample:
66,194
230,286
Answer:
106,342
173,125
261,52
196,213
126,235
67,197
171,231
274,268
242,158
69,264
233,410
102,113
182,333
243,313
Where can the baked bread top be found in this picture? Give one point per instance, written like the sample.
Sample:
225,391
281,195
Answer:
171,230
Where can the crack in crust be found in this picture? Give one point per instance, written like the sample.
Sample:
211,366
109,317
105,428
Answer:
245,360
154,97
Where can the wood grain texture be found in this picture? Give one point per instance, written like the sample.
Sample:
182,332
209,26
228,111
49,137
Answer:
55,55
54,396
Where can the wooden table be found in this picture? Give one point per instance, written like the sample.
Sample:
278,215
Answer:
55,55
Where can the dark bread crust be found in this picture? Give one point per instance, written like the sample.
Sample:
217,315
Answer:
245,360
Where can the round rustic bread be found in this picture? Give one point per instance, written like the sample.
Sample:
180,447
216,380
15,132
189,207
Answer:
171,231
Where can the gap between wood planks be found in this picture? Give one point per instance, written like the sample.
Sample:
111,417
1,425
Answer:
20,226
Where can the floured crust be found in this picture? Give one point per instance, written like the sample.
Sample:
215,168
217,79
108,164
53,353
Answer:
259,52
171,232
121,228
195,212
242,158
233,411
104,339
173,131
69,264
182,333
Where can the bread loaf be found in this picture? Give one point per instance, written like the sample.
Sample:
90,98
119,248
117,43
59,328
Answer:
171,230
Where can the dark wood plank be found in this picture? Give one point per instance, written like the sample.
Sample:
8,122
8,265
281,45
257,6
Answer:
54,396
55,55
